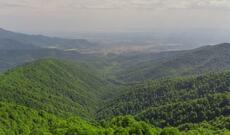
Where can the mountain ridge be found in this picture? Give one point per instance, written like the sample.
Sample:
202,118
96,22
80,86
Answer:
174,63
51,84
52,91
142,94
45,41
157,101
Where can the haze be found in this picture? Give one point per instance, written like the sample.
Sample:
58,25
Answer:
67,16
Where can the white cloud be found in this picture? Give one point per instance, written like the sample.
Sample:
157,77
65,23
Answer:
125,4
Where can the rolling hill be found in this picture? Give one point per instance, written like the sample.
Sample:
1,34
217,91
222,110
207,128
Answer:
139,67
18,48
51,96
46,42
174,101
10,58
58,87
16,119
9,44
131,94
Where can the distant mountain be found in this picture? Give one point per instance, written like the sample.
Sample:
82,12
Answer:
18,48
9,44
140,67
46,42
14,53
10,57
58,87
59,97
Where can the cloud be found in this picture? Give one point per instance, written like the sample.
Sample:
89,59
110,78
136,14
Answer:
11,5
117,4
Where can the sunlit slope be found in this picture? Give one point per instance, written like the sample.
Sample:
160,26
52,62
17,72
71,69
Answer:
58,87
16,119
175,101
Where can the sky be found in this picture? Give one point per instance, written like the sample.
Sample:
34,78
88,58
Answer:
56,16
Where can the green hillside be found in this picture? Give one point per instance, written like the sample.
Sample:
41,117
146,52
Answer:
19,120
57,97
175,101
191,111
58,87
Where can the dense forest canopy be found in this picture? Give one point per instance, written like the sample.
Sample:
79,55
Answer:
53,96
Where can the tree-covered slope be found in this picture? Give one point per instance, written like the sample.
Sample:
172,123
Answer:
20,120
175,101
190,111
58,87
17,120
43,97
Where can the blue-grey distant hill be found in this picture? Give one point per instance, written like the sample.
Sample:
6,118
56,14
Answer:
44,41
139,67
18,48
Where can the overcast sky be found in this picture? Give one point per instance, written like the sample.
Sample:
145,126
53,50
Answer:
50,16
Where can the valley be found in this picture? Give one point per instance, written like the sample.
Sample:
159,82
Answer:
51,86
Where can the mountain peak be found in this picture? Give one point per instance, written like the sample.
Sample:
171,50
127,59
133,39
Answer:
224,44
219,46
1,29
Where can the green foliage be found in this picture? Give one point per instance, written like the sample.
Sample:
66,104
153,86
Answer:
170,131
175,101
44,98
130,126
219,125
191,111
22,120
17,120
58,87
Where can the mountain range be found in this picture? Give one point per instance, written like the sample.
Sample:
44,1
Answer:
51,91
139,67
45,41
56,91
18,48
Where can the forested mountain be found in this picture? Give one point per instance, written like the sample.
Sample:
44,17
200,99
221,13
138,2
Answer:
26,121
9,44
22,120
42,97
10,58
57,91
175,101
17,48
58,87
139,67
